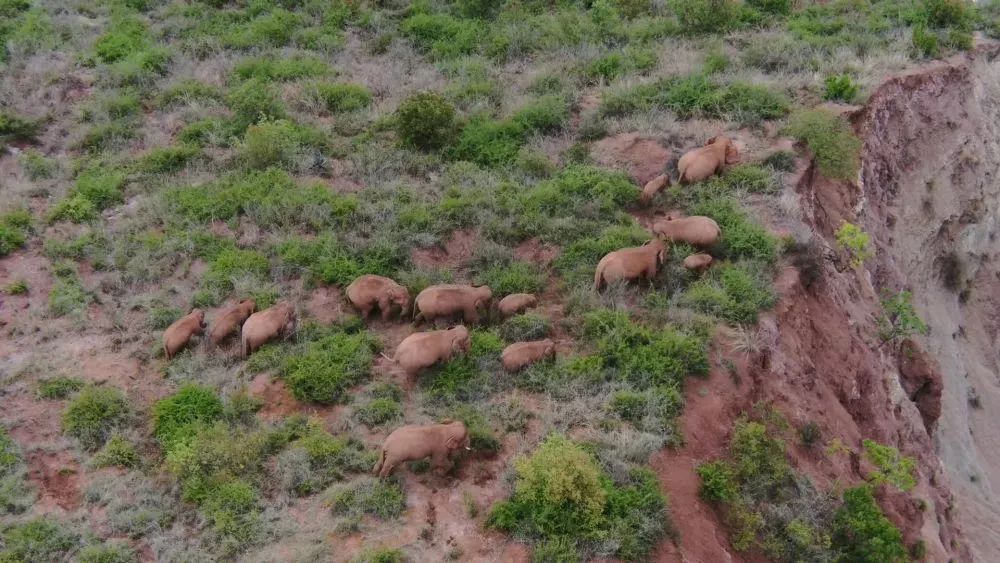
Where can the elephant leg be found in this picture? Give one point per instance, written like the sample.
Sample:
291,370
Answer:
387,467
471,315
385,306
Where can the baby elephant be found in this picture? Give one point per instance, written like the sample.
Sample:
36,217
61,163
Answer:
630,263
449,300
697,230
422,350
277,321
370,291
413,442
177,335
521,354
230,320
516,303
698,262
653,187
701,164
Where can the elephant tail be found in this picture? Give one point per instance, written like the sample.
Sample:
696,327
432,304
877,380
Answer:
418,315
379,463
244,346
599,277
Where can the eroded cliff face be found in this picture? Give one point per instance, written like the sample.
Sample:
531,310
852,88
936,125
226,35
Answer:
930,198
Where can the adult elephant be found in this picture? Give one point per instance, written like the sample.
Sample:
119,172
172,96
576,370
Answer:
414,442
450,300
630,263
370,291
422,350
277,321
702,163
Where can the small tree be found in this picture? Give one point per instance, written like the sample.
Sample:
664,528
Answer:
855,242
899,320
426,121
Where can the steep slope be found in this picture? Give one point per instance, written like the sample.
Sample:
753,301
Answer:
931,201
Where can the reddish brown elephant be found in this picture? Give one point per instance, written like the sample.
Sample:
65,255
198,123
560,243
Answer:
230,321
177,335
277,321
702,163
639,262
414,442
371,291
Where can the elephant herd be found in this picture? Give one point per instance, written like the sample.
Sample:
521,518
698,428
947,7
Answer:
422,350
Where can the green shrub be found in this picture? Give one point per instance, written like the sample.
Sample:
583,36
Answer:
381,555
653,410
561,494
328,261
644,356
16,287
187,91
270,68
94,414
892,467
855,242
231,265
279,143
14,229
489,142
97,188
15,495
126,36
513,277
367,495
526,327
118,552
899,319
840,87
233,510
167,160
327,458
782,161
40,539
379,411
270,28
59,387
481,435
706,16
118,452
338,98
426,121
441,35
208,455
467,377
732,292
741,236
544,115
13,127
329,367
37,167
174,416
946,13
925,42
559,549
863,533
254,101
831,140
717,482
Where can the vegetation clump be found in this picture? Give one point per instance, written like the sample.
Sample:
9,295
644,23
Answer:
94,414
831,140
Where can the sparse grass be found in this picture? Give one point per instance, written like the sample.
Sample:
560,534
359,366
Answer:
111,552
15,227
270,68
368,496
40,539
117,452
338,98
95,414
36,166
379,411
59,387
525,327
15,494
734,292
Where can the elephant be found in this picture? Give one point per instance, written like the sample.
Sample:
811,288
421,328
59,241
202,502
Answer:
702,163
698,262
422,350
277,321
631,263
450,300
653,187
516,303
521,354
369,291
230,321
696,230
178,334
414,442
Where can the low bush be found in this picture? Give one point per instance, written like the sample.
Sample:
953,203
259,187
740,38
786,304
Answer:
380,555
15,495
653,409
526,327
855,242
95,414
706,16
96,188
512,277
191,405
270,68
442,35
544,115
426,121
168,160
117,452
13,128
328,261
893,468
254,101
742,238
329,367
338,98
233,510
211,454
187,91
379,411
111,552
368,496
481,435
229,267
840,87
489,142
40,539
15,227
863,533
37,167
468,377
278,143
734,292
899,319
59,387
562,496
831,140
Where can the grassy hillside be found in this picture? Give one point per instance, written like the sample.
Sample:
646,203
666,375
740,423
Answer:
165,155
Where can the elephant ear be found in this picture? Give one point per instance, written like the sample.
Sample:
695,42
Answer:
732,154
451,443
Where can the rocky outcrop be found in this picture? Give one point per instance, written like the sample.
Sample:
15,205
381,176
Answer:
921,379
